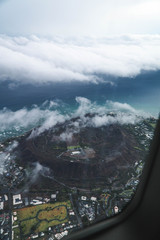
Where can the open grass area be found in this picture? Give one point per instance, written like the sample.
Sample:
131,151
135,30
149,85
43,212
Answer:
39,218
16,233
31,212
44,225
59,213
153,124
127,193
28,225
73,147
140,149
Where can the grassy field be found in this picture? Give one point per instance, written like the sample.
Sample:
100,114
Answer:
28,225
127,193
140,149
153,124
59,213
73,147
16,233
39,218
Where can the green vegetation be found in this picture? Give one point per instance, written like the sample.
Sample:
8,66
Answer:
39,218
140,149
139,170
59,213
73,147
68,148
16,233
153,125
127,193
27,226
59,148
110,212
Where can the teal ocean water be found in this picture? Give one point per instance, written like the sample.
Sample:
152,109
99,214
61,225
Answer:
23,107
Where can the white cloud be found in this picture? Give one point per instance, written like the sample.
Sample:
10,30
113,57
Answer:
5,155
24,119
99,121
66,136
49,122
121,106
17,122
37,170
39,61
34,173
84,106
21,118
110,113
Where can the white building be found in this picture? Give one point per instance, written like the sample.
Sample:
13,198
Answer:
75,153
83,198
17,199
71,213
35,202
1,205
93,199
61,235
115,209
6,197
35,236
53,196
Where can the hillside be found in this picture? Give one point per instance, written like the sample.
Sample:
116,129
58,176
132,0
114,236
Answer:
90,154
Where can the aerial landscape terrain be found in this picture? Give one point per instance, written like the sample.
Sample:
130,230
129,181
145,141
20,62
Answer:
79,105
71,175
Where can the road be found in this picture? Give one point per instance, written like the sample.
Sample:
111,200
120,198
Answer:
75,210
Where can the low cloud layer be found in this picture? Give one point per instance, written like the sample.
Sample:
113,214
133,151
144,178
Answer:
46,116
90,114
38,61
5,155
14,123
35,171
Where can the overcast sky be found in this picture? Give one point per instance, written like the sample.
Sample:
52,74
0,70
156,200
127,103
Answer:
79,17
67,40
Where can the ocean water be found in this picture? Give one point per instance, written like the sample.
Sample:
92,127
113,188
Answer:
23,107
